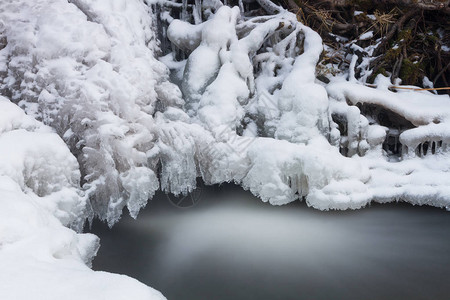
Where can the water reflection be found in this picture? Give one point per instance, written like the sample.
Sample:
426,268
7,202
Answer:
232,246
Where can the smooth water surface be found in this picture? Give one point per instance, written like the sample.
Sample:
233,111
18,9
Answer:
233,246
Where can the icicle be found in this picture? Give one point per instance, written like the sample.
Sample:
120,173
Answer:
294,183
303,186
418,153
292,48
396,143
241,7
351,76
438,147
184,13
197,12
353,120
164,43
405,151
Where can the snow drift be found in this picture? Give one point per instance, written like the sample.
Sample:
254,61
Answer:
40,257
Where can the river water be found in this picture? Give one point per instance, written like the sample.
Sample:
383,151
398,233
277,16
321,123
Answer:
233,246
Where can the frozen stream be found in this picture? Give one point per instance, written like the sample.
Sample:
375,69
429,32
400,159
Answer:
233,246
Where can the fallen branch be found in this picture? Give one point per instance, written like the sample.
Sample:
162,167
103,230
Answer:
410,88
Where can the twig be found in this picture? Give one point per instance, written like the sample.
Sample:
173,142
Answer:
270,7
410,88
397,67
415,89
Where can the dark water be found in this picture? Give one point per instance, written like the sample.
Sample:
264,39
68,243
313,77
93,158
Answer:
233,246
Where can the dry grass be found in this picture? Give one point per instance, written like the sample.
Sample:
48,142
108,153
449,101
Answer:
384,20
322,16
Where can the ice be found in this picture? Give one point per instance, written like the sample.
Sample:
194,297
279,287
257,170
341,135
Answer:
302,164
100,86
40,200
232,98
88,69
437,136
406,103
259,83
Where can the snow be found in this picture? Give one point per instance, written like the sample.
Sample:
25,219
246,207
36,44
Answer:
365,36
418,181
299,170
432,133
40,200
271,88
421,176
184,35
247,108
88,69
427,83
420,108
304,163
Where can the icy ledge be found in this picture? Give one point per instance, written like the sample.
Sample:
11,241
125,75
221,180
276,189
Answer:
41,258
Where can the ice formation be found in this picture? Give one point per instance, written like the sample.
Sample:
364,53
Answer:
338,145
241,97
87,68
40,197
232,97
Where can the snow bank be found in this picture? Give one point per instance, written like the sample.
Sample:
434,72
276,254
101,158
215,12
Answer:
282,172
40,258
420,181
